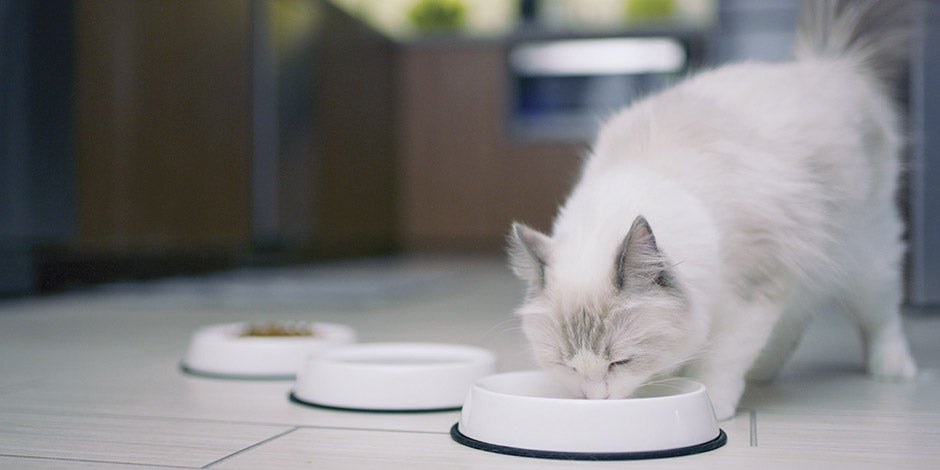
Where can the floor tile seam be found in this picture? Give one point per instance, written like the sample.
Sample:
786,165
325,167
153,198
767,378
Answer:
388,430
753,418
140,417
250,447
92,461
751,425
79,414
298,428
848,412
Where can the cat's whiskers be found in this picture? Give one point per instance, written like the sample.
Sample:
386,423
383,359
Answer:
501,328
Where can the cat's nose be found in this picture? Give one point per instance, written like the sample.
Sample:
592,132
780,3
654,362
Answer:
594,389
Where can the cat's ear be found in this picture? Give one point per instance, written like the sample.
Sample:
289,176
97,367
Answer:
528,253
639,262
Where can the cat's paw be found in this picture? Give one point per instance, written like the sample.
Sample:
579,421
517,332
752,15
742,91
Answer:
724,401
891,360
893,367
723,411
724,395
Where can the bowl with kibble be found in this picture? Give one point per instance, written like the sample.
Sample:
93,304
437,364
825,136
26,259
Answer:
530,414
273,350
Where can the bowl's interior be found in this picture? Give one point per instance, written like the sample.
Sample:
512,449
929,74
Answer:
536,385
404,355
396,358
278,329
542,385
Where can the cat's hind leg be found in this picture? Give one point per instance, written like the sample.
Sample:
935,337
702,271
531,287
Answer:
877,311
873,297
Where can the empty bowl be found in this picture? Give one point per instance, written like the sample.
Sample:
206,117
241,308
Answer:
392,376
530,414
271,350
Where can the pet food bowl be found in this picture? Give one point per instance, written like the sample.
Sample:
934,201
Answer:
270,351
529,414
392,376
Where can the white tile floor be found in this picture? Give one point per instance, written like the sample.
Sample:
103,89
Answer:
91,380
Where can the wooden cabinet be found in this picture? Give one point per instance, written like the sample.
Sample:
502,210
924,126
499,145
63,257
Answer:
171,156
162,126
414,144
463,176
405,145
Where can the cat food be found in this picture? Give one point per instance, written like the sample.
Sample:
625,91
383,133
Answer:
270,350
279,329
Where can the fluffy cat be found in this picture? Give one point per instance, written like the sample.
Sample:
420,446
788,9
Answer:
710,219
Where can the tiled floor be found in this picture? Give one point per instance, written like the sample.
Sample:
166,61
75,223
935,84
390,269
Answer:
91,380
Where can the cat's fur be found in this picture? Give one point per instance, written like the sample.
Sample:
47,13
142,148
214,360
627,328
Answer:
712,218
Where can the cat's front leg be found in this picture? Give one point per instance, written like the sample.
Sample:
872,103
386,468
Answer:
724,391
735,343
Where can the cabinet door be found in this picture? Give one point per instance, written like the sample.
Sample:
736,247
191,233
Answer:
163,127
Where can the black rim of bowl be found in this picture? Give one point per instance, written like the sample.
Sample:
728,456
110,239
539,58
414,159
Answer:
549,454
294,398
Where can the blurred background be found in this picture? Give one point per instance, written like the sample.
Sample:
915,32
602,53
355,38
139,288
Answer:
147,138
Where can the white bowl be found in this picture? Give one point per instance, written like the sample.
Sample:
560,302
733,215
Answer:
530,414
223,350
392,376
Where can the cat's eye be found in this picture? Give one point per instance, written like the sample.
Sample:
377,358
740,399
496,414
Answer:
619,363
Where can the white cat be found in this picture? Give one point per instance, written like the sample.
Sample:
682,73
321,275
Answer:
770,190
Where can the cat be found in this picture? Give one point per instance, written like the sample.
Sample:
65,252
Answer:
711,219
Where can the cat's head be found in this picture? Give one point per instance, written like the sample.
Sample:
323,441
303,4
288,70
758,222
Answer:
605,337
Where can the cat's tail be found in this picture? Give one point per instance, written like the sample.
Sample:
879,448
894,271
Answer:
875,34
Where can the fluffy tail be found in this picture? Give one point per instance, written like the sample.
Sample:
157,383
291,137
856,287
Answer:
875,34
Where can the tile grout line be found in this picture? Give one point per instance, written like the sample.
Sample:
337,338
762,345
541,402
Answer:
94,461
389,430
177,419
753,427
246,449
295,426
